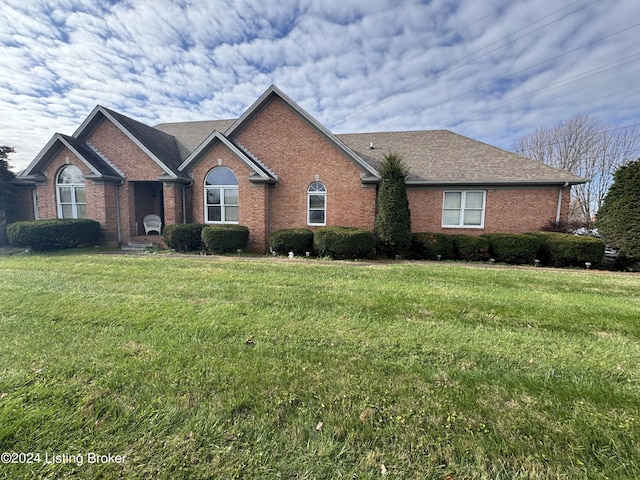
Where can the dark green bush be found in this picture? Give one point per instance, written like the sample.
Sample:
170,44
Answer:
393,218
566,250
471,247
343,242
296,240
184,237
225,238
48,235
427,246
514,248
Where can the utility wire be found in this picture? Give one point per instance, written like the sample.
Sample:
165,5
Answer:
550,87
471,57
512,75
449,37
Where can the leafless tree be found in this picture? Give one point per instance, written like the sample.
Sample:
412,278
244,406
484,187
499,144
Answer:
586,147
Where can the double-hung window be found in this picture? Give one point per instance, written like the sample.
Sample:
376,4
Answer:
221,196
463,209
72,201
316,204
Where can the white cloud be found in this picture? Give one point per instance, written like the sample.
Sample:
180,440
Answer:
481,68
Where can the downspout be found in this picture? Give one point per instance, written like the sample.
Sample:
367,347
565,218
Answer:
34,196
118,185
269,201
559,209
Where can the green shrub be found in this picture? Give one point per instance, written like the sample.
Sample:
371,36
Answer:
471,247
48,235
185,237
427,246
343,242
225,238
296,240
514,248
566,250
393,218
618,219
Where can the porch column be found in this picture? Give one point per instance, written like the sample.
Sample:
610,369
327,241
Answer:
172,196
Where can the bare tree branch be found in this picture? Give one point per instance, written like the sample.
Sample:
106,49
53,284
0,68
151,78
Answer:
586,147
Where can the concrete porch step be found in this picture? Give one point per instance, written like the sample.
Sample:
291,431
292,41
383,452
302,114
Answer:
138,246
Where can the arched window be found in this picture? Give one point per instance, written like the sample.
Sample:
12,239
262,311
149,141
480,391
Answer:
72,202
221,196
316,204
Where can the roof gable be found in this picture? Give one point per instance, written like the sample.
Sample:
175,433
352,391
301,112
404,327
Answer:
98,166
274,92
157,145
260,172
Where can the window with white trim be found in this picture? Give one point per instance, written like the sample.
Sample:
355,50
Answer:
71,198
221,196
463,209
316,204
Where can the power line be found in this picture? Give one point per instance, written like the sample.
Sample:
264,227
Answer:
459,63
550,87
512,75
553,86
449,37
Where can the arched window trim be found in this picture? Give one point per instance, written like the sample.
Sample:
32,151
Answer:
221,201
317,204
70,193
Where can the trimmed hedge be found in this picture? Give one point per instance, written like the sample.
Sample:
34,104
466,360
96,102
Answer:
49,235
296,240
343,242
514,248
566,250
471,247
186,237
427,246
225,238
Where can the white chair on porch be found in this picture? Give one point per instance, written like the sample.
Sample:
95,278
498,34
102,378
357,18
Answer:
152,223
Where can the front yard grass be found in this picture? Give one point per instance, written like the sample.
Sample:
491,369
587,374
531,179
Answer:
214,367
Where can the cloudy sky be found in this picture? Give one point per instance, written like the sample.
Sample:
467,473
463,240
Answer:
493,70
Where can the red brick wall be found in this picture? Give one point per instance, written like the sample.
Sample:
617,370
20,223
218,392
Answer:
506,211
123,153
297,153
101,205
252,199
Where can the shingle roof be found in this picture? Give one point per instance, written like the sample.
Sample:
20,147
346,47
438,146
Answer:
444,157
162,145
189,135
92,157
98,165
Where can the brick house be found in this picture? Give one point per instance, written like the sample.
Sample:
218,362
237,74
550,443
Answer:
278,167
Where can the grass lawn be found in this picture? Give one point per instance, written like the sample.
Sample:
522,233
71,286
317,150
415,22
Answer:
219,367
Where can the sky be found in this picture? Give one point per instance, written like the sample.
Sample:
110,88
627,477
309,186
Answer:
493,70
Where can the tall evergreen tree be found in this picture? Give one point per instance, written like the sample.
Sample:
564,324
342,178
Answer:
6,190
618,220
393,218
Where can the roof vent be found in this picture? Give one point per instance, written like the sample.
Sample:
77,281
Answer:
371,145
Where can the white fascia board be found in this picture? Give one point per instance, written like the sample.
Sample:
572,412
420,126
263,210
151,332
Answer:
56,138
207,143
